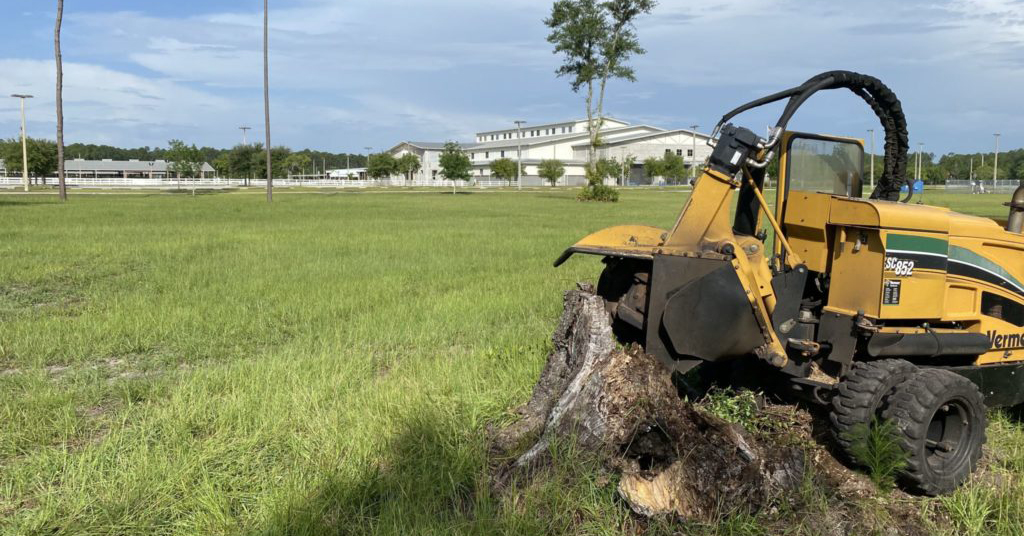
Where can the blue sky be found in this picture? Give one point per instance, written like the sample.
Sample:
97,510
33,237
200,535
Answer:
355,73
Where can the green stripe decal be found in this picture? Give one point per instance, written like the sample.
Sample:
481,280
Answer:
924,244
966,256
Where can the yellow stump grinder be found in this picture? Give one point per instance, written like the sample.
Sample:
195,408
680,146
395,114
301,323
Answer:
879,309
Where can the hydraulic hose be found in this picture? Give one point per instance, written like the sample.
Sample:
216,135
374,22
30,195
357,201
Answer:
882,101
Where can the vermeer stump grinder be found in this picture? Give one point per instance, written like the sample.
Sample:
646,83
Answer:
880,310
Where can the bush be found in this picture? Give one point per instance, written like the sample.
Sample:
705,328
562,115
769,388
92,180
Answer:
598,192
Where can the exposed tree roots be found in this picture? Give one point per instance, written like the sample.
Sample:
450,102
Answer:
622,406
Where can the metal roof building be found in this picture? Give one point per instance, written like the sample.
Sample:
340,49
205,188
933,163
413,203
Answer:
129,169
146,169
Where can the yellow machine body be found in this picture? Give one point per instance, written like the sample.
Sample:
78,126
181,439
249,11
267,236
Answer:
877,308
895,268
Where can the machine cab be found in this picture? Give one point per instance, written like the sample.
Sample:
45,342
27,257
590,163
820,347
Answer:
812,168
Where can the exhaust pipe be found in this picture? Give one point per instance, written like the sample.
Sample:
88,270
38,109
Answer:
1016,218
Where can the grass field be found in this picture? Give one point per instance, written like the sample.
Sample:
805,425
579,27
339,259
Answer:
329,364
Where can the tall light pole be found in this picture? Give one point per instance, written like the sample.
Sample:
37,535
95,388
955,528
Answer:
622,165
266,97
519,153
872,132
245,134
693,158
920,161
995,162
369,151
24,143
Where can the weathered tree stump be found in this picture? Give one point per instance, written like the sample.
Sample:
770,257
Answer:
622,405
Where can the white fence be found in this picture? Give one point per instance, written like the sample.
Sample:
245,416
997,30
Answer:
982,186
206,184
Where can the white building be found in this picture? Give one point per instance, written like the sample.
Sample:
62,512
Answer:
354,173
108,168
567,142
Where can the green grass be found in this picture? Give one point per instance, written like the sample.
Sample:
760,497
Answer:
329,364
876,447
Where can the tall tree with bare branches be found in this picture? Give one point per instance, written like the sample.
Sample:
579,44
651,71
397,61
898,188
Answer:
266,100
62,188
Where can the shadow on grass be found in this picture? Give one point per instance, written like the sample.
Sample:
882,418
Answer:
8,202
431,478
200,191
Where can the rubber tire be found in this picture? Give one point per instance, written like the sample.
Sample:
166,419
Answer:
863,394
912,408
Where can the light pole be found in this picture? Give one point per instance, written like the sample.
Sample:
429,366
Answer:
369,150
872,132
622,165
266,98
245,134
24,143
995,163
693,157
970,175
519,153
920,161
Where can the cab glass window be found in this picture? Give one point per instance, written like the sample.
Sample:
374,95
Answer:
824,165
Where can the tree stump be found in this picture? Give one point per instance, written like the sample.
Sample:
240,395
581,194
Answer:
621,404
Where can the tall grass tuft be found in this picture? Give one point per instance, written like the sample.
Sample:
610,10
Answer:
876,447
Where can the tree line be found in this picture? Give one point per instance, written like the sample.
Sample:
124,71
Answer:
979,166
240,161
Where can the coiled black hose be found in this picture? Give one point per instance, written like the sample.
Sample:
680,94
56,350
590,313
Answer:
882,101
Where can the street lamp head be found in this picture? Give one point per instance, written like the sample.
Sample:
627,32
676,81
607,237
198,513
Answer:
20,96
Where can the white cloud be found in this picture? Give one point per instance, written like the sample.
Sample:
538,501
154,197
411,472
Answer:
102,103
345,74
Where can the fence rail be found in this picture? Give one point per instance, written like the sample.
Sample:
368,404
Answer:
982,186
955,185
206,183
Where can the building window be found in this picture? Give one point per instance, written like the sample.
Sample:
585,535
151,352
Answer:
487,154
679,152
502,155
689,152
668,151
472,156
